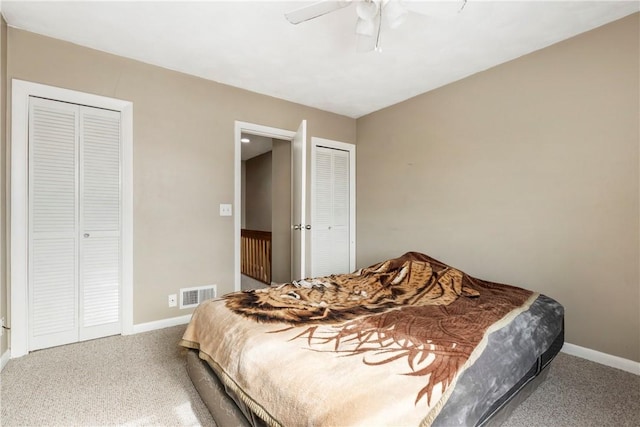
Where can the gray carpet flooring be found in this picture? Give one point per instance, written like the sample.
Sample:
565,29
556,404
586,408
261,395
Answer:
141,380
130,380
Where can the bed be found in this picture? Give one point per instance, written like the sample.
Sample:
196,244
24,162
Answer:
407,341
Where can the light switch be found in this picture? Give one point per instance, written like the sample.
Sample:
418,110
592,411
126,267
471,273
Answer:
225,210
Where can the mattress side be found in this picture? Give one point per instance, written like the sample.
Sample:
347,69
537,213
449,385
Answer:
510,353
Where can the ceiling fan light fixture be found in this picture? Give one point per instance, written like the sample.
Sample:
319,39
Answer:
372,15
367,9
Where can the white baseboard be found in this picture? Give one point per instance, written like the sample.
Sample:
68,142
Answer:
602,358
161,324
4,359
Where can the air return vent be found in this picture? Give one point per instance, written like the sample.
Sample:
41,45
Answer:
191,297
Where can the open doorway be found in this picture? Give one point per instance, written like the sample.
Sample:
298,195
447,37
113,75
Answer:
265,211
296,166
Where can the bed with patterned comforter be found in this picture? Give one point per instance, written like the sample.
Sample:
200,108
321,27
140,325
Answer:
408,341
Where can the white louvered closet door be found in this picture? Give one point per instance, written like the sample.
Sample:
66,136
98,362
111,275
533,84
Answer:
331,212
53,223
99,305
74,223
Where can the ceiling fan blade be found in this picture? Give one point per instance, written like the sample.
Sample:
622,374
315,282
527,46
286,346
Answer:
435,8
314,10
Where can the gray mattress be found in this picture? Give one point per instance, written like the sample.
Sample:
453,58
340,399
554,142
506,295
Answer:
514,362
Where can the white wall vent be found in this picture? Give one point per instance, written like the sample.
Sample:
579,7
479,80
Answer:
191,297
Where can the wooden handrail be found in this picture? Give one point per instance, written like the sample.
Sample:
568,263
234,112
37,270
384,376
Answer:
255,254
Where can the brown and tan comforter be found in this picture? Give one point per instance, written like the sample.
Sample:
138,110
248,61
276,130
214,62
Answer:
381,346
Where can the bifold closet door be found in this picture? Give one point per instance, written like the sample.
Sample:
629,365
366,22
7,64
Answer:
74,223
331,212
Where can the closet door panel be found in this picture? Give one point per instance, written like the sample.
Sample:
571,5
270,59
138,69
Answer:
322,221
340,211
100,223
53,198
331,212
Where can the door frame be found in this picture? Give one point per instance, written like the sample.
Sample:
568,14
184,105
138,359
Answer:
351,149
19,233
253,129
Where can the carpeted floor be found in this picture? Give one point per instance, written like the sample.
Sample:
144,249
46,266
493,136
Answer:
122,380
141,380
581,393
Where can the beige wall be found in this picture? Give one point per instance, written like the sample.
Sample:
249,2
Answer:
3,181
281,212
258,192
526,173
183,158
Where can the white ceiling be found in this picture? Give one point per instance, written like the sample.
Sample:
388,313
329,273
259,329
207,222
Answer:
251,45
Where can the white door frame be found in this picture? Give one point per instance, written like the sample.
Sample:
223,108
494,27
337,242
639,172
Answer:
254,129
19,233
351,148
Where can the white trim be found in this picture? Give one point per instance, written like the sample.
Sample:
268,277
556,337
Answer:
126,124
161,324
299,252
253,129
20,92
5,359
351,148
602,358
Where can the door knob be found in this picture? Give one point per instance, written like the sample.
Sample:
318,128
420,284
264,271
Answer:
86,235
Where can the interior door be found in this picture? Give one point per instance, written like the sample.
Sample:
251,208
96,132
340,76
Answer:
298,201
331,212
74,216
